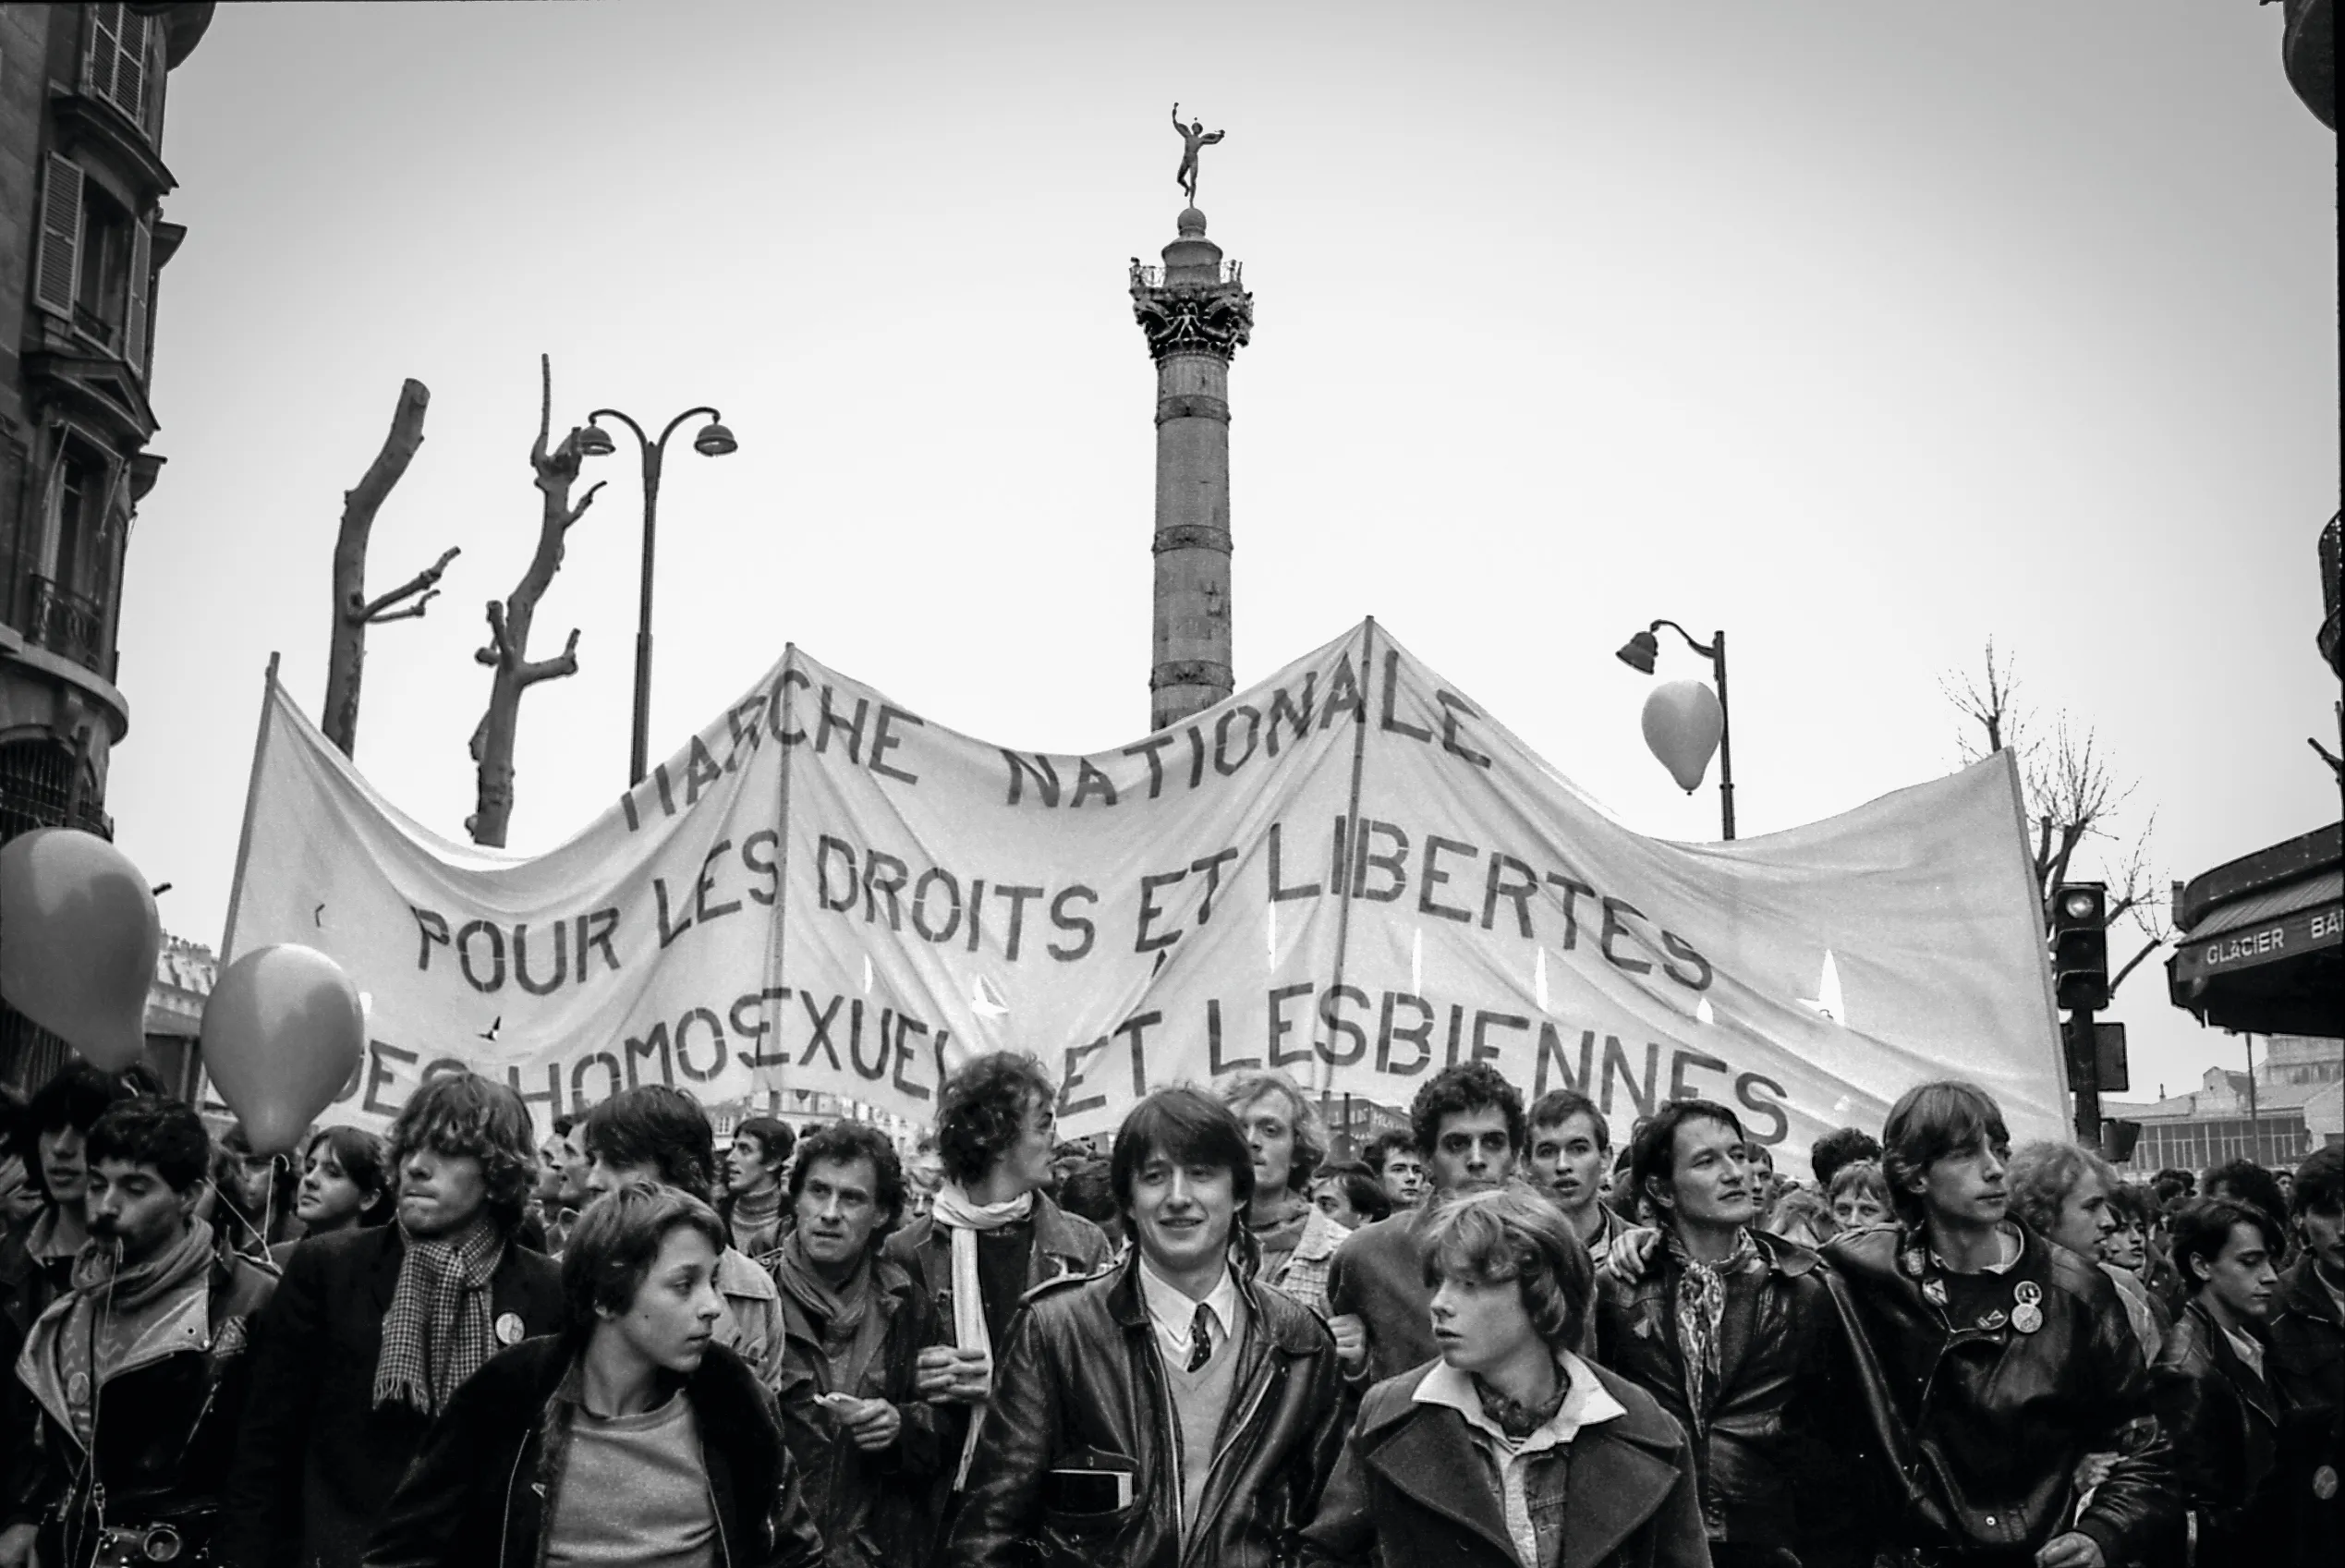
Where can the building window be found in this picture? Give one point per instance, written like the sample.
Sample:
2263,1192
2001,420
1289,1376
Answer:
102,292
118,66
96,267
69,598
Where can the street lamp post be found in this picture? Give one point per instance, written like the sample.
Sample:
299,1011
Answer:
1639,654
714,440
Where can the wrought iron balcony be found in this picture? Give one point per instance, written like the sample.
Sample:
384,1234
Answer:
69,623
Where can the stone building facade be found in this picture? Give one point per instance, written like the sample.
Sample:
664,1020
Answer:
83,243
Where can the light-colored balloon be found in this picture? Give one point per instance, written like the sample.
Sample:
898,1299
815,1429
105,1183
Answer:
79,940
1682,722
283,1030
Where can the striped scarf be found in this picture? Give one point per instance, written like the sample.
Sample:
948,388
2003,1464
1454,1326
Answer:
437,1333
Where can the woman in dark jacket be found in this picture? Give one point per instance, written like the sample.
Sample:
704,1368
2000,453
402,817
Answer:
1509,1451
632,1436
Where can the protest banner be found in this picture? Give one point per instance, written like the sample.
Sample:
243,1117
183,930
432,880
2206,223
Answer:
1350,871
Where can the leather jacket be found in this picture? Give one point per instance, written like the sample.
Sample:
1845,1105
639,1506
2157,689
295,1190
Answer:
1985,1420
2306,1370
488,1480
1784,1363
1081,1380
166,1425
2226,1427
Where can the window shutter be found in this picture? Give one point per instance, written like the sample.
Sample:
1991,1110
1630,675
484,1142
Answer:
134,324
131,67
60,266
117,66
105,46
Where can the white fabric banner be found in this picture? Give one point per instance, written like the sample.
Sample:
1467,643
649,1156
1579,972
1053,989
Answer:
1350,871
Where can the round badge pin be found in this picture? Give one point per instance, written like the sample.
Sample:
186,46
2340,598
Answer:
1934,1291
1993,1321
2325,1482
509,1330
2027,1293
2027,1317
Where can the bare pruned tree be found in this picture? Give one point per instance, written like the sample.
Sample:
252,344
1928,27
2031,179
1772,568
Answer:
2075,801
353,610
507,654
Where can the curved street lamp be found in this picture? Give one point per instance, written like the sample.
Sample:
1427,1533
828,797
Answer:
1639,653
713,441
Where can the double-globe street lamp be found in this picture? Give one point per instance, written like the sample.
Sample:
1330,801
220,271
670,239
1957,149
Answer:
714,440
1640,653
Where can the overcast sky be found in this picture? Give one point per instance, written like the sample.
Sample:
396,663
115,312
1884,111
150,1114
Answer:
1866,333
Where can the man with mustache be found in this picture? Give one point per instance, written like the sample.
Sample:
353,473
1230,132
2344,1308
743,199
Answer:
138,1373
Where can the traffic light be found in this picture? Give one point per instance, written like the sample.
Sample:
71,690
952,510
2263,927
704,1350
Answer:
2080,946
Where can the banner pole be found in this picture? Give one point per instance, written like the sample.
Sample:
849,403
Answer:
252,798
195,1076
1352,819
782,881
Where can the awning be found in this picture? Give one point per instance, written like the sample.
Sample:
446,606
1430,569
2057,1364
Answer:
2267,941
2263,948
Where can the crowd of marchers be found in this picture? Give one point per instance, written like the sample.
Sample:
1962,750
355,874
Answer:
1494,1342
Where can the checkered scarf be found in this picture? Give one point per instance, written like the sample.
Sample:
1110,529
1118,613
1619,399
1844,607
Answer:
437,1333
1701,1305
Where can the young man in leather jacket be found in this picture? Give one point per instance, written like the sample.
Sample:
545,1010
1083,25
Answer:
2213,1394
1996,1362
137,1373
1736,1335
1167,1410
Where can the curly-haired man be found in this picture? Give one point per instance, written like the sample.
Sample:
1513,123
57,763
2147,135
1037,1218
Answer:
993,1233
372,1331
1471,1130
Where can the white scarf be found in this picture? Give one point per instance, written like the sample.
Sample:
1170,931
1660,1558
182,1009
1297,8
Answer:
962,1220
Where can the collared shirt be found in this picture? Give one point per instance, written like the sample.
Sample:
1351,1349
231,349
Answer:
2250,1350
1172,1311
1585,1404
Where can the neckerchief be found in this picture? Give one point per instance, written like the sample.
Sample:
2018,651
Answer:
845,1317
1515,1418
962,1220
437,1333
103,1323
1701,1304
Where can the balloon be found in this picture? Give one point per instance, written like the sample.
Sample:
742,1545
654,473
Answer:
282,1035
1682,722
79,940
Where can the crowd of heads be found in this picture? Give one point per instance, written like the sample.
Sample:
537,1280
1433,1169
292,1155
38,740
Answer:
1184,1166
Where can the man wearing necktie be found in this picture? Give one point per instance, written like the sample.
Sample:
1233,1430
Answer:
1168,1411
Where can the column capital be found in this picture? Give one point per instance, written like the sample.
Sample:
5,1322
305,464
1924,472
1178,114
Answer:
1215,318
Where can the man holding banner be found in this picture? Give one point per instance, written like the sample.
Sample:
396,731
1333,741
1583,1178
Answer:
992,1236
